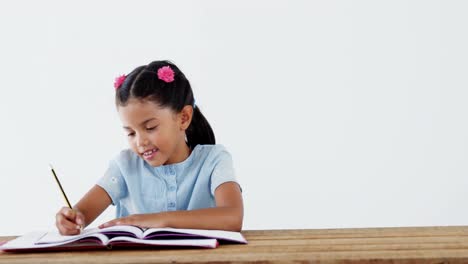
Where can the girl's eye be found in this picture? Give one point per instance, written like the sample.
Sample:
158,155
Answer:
131,134
151,128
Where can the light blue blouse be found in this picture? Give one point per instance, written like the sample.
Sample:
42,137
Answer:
136,187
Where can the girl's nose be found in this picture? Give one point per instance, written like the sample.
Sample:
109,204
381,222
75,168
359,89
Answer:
141,142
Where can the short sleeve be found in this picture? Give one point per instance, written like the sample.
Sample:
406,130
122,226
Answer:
113,182
223,170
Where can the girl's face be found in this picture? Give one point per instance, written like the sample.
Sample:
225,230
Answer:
154,133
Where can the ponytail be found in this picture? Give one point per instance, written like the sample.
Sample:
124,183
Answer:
199,130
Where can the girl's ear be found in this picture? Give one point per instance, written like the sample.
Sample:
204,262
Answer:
185,117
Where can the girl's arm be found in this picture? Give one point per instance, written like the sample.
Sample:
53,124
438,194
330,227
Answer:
227,215
93,203
84,212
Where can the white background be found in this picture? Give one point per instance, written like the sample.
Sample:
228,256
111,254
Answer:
337,113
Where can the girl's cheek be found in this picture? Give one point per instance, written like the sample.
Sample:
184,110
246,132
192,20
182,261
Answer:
132,144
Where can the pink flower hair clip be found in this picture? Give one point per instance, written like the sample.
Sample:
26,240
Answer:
119,80
166,74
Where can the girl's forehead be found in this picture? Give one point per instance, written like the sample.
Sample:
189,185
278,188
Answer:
137,111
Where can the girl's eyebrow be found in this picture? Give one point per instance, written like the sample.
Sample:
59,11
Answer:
142,123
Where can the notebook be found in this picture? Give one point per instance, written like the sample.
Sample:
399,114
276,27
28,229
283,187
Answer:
122,237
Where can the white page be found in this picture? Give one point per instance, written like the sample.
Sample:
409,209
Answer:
29,240
219,234
208,243
54,236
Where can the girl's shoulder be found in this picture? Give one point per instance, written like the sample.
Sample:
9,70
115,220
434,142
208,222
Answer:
126,154
211,150
211,153
127,158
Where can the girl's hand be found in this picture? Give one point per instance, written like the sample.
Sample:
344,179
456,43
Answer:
140,220
69,222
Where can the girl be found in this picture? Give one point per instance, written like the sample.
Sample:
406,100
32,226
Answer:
173,175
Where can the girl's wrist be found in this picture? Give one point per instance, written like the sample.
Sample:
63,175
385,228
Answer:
163,219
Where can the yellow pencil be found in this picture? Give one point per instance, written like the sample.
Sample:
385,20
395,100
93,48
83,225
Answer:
61,188
63,192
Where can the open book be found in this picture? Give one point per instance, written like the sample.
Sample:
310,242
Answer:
122,236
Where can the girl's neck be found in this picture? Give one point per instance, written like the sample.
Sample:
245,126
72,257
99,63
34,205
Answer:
181,154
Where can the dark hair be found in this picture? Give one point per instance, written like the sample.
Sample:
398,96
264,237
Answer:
143,84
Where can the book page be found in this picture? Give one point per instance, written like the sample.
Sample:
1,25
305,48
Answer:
29,241
55,237
205,243
160,233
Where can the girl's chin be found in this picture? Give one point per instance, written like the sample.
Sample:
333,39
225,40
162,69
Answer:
153,163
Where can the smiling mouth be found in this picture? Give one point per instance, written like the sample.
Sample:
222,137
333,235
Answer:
149,153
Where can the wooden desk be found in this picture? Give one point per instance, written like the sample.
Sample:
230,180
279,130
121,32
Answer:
363,245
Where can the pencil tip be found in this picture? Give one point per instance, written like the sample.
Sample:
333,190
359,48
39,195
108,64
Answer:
50,165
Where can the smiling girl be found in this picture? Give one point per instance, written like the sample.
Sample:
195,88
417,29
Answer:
173,174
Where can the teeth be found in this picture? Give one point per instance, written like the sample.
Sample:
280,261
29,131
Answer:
149,152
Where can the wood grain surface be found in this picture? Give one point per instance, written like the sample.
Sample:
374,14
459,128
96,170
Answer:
348,245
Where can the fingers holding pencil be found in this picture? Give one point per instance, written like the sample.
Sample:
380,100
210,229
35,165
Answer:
69,221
